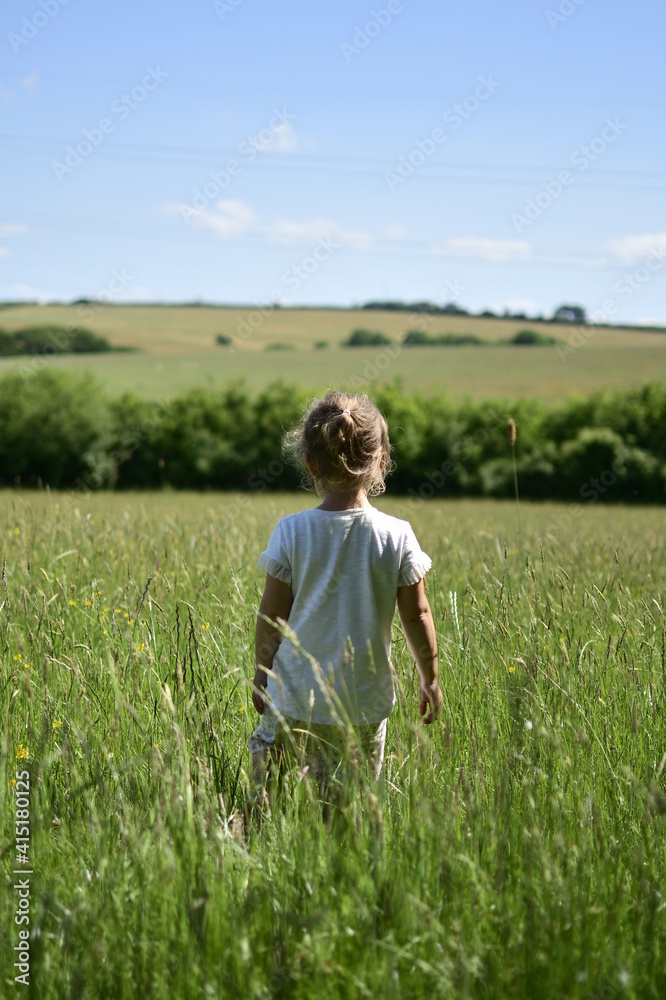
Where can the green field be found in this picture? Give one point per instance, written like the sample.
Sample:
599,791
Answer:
177,345
517,849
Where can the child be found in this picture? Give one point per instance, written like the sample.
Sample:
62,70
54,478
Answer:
334,573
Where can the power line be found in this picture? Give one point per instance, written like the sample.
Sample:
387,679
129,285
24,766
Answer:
340,164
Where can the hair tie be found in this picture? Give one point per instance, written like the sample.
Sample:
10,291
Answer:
347,411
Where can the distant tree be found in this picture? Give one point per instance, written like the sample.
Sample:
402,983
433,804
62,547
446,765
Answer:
424,306
321,345
451,309
380,306
570,314
223,340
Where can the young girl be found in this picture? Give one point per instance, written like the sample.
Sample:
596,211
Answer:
334,574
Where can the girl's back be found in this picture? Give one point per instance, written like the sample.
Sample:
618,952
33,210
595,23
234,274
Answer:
344,568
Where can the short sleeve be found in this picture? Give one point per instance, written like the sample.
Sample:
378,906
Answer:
414,563
275,558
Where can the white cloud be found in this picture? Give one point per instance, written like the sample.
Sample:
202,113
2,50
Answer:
601,260
634,248
28,292
395,232
648,321
30,82
233,218
284,140
9,229
292,231
488,249
230,219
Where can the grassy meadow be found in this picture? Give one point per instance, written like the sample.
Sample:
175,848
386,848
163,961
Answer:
517,849
178,352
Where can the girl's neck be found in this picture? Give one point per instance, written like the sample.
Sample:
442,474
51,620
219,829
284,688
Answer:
344,501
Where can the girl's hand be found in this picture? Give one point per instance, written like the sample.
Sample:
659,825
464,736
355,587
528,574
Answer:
258,689
430,697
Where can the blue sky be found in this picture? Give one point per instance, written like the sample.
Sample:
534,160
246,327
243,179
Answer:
508,155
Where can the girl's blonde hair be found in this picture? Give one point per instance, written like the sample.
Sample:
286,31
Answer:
346,439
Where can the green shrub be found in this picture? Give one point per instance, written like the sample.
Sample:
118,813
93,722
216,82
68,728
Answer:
420,338
532,338
417,338
8,345
52,339
458,339
367,338
598,462
49,421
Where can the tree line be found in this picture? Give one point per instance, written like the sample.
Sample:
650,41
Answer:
62,430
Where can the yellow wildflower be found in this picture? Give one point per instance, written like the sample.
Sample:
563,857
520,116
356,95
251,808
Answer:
56,725
88,603
18,656
72,602
12,781
512,670
22,752
141,646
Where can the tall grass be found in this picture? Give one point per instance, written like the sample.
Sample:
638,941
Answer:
517,849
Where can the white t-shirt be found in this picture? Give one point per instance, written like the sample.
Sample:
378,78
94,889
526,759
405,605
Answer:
344,568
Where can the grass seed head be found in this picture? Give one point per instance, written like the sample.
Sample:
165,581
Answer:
513,431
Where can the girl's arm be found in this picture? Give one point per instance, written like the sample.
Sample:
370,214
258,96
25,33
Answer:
419,628
276,603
